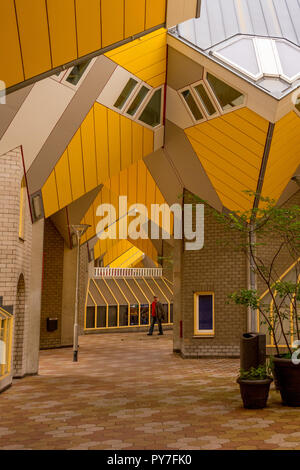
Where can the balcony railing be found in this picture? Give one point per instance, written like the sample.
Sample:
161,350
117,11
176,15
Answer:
127,272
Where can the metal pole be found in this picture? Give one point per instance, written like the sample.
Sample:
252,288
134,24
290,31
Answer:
75,340
252,276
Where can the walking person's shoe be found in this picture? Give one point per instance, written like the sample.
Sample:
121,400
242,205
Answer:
149,334
160,334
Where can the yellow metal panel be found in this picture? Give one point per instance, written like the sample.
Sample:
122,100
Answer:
150,199
76,166
34,37
114,142
62,27
112,13
284,156
100,116
230,149
132,182
144,57
89,151
158,80
124,182
134,17
88,26
142,182
49,193
155,13
126,142
148,141
11,67
137,141
63,183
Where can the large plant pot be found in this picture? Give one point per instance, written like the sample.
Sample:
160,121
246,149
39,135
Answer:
255,392
288,379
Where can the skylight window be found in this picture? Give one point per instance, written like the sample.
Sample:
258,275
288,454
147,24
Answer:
290,58
152,113
227,96
77,72
205,100
126,92
189,99
138,101
242,55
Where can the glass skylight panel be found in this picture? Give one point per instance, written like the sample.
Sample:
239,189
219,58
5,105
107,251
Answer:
189,99
126,92
205,100
290,59
241,55
152,113
227,96
138,101
77,72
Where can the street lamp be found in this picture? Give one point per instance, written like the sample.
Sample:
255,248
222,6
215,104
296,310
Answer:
79,231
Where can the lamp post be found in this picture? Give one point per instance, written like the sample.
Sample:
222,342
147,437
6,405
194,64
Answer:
79,231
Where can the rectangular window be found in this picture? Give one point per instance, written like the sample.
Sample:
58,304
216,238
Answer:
128,89
204,98
77,72
152,113
138,101
189,99
204,313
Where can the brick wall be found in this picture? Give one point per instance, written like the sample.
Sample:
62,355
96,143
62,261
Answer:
15,254
52,285
219,270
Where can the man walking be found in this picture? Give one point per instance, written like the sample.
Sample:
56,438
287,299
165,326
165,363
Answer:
157,314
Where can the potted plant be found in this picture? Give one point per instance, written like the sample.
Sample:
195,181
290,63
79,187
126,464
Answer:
254,386
269,236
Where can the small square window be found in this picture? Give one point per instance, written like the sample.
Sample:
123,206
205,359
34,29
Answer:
204,314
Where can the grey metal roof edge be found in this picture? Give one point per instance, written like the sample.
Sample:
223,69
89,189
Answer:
174,33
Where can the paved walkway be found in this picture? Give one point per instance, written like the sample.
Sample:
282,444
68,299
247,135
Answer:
129,391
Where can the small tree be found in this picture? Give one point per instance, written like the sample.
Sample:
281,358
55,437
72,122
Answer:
275,230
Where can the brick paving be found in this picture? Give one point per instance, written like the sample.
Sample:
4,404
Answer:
129,391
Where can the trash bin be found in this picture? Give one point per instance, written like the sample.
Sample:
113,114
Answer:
253,350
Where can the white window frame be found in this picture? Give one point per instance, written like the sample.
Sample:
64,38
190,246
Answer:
133,93
129,103
243,105
282,75
146,104
58,78
217,53
189,88
203,333
83,76
211,97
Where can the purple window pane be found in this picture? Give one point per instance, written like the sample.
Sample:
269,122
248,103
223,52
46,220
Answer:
205,312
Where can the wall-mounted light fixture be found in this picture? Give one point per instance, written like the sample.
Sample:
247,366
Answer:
37,206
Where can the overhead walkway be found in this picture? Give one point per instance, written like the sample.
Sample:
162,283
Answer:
121,298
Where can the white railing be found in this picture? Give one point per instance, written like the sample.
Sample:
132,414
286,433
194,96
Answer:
128,272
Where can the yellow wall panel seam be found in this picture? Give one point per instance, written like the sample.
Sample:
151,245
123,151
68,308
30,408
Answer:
237,169
228,147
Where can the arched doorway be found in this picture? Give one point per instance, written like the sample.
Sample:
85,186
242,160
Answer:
19,325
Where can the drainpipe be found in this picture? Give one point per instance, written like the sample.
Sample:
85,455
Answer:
252,282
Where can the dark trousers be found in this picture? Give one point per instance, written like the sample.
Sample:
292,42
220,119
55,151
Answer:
153,321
